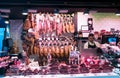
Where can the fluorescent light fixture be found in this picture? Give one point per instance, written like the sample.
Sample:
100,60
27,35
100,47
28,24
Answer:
118,65
32,10
5,10
6,22
25,12
86,12
56,11
56,14
117,13
4,15
63,11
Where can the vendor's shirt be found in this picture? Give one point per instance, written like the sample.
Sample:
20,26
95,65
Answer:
91,45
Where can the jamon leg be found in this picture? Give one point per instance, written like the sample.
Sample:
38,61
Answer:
67,28
72,29
59,29
64,28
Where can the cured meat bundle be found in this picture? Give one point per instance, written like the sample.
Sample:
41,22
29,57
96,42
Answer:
59,29
44,25
57,49
72,29
48,23
64,27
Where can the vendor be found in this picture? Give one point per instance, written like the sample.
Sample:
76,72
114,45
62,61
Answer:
118,44
14,49
91,43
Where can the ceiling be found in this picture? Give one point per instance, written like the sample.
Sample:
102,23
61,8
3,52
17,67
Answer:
17,6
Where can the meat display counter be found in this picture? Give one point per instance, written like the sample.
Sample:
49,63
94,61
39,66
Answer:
84,67
88,75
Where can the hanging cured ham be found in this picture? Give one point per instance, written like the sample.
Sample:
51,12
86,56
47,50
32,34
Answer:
35,49
38,49
46,27
54,25
45,50
59,29
41,51
70,47
33,20
64,27
38,24
62,51
48,23
72,28
66,50
57,50
53,50
36,35
49,29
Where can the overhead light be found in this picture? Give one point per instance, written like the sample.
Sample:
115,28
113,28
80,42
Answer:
5,10
86,12
117,13
25,12
4,15
56,11
73,14
32,10
63,11
6,22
